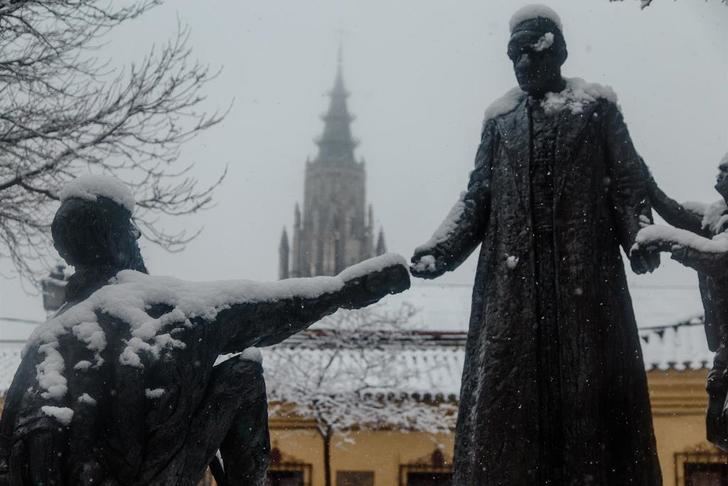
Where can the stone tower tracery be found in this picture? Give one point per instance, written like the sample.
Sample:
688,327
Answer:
335,228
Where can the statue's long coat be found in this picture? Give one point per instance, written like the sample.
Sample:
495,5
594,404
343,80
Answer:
599,197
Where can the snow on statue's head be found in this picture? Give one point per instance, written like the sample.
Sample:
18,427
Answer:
537,49
93,228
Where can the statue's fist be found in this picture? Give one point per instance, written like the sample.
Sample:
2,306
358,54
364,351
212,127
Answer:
373,279
644,259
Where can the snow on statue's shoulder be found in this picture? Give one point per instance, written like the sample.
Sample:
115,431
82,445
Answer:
576,96
90,186
530,12
505,104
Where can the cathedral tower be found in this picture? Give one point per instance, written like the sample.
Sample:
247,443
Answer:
335,229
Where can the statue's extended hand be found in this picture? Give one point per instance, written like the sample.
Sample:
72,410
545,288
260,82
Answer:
362,288
426,265
644,259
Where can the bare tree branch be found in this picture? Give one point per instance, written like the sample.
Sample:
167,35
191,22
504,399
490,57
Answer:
64,112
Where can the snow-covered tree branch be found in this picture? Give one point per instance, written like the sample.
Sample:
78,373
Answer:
352,374
65,110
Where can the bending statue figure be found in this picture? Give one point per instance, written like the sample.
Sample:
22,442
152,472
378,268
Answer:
121,387
703,248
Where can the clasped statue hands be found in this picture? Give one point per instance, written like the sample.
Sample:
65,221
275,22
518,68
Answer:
427,264
646,259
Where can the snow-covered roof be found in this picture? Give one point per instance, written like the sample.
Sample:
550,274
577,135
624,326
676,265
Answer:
425,364
430,364
90,186
676,348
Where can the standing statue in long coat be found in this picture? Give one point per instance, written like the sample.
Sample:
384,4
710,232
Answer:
554,390
124,385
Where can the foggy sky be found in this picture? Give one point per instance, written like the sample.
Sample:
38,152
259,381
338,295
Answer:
420,74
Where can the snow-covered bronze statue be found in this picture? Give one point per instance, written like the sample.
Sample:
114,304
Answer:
699,239
554,388
121,386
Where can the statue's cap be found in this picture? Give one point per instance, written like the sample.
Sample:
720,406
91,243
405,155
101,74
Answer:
93,226
90,187
539,14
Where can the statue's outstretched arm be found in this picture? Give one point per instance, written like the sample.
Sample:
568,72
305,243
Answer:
628,189
674,213
464,227
285,307
711,263
708,256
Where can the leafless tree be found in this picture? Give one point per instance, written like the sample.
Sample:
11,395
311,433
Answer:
352,374
66,110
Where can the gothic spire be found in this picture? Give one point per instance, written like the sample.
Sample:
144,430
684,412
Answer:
296,217
336,145
381,244
283,256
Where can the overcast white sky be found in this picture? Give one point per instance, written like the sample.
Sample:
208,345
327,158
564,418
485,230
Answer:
420,73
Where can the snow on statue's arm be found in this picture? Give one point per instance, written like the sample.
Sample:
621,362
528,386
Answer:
706,255
464,227
628,188
291,305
